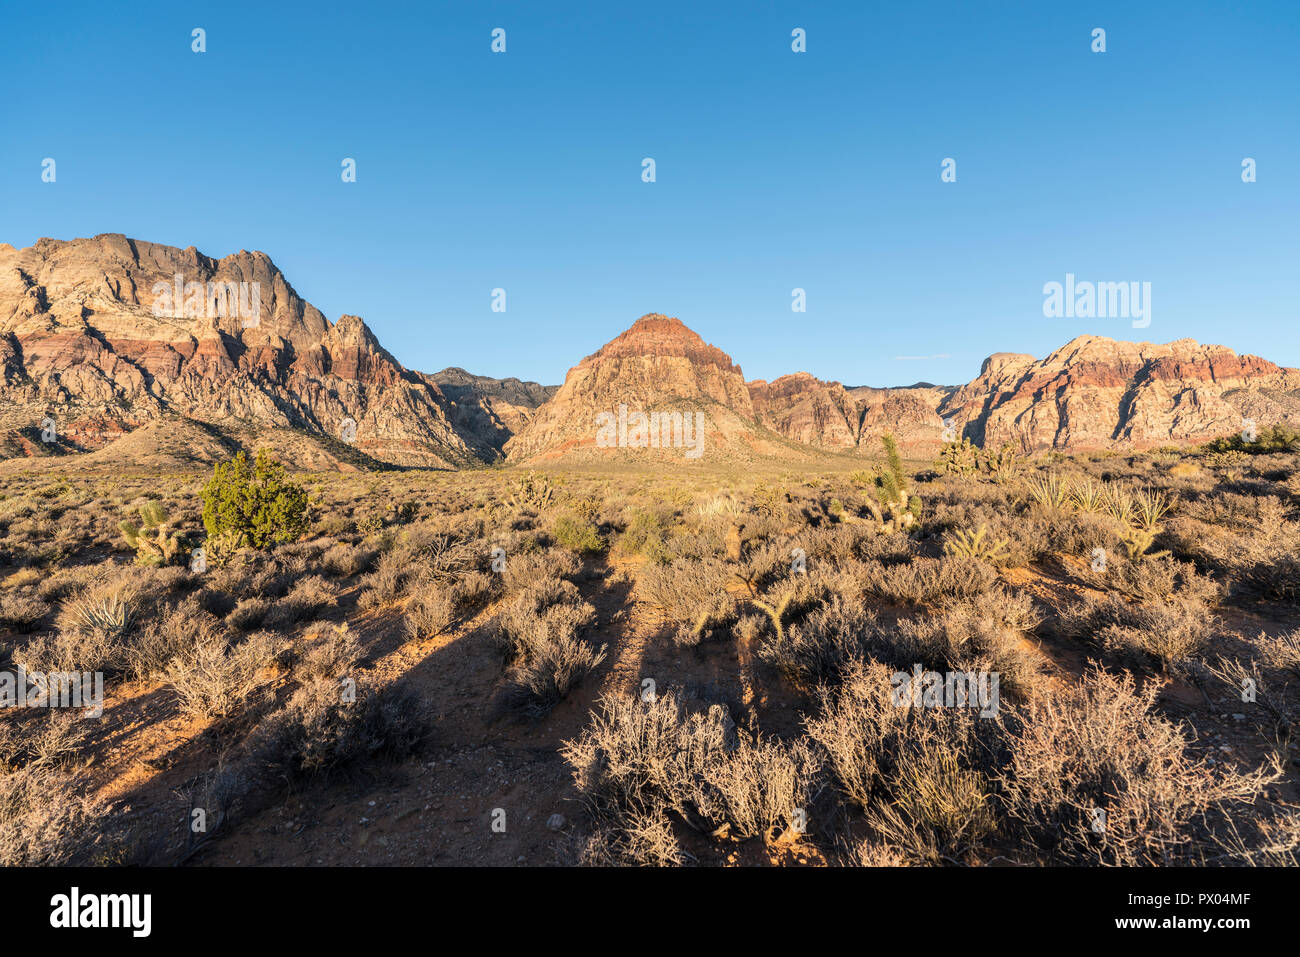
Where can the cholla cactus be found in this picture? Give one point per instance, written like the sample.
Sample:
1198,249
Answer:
532,491
1003,463
1137,541
958,458
153,544
977,545
1230,460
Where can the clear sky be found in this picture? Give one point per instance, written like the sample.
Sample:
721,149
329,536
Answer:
774,169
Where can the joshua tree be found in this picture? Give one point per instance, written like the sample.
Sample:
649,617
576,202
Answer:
153,544
894,508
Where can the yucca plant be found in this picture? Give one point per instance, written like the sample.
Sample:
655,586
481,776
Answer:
1149,507
1048,490
977,545
894,508
1119,503
110,614
1088,496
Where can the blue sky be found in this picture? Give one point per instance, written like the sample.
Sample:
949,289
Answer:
775,170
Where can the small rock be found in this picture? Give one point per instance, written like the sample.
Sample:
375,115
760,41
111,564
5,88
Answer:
1238,717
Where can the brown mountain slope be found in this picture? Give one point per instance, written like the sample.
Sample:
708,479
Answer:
97,338
1095,393
92,335
1092,393
657,366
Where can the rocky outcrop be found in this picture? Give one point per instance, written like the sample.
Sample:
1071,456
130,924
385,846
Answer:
656,366
1097,393
828,415
101,337
491,409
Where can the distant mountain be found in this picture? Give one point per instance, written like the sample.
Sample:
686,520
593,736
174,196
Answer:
1097,393
491,409
94,334
657,367
99,338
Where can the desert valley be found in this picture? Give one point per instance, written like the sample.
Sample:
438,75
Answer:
342,611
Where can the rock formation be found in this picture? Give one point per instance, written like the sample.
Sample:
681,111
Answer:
99,338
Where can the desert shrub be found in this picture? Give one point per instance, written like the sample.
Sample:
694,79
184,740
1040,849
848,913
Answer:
249,614
344,561
333,652
21,613
43,819
527,568
1154,579
647,534
641,760
645,755
577,534
639,840
928,581
922,776
308,597
324,729
1097,746
175,633
435,607
1282,652
539,634
429,612
1277,579
1168,633
216,679
1275,438
252,506
816,649
394,573
692,596
980,634
761,785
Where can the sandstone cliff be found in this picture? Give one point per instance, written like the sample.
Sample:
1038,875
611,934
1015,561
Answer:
1097,393
92,336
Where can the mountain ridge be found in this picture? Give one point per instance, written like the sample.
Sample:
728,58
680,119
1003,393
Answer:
85,344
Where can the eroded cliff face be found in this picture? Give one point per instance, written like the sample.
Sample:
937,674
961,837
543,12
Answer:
93,334
100,337
1096,393
656,366
831,416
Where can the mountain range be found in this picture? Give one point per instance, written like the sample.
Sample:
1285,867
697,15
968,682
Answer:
102,338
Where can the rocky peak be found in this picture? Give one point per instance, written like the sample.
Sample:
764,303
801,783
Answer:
660,336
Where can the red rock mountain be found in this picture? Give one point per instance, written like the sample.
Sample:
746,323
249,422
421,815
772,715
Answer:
85,343
1096,393
82,341
656,366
